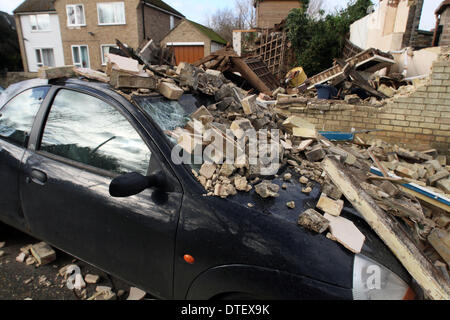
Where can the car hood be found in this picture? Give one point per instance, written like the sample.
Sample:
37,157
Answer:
373,248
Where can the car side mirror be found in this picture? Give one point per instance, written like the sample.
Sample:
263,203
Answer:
131,184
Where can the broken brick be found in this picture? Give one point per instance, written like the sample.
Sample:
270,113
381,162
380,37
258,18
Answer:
442,174
207,170
313,220
249,105
266,189
328,205
170,91
43,253
315,155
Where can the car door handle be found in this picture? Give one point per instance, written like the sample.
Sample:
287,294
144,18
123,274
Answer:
38,177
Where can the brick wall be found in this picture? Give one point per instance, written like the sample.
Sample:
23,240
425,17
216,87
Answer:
94,35
157,24
14,77
186,32
419,121
270,12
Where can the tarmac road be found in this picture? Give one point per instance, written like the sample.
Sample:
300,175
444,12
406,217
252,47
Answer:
13,274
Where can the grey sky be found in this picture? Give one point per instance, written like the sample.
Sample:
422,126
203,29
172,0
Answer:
198,10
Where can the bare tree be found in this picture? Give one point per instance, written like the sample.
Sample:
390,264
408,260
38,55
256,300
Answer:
314,9
246,13
241,16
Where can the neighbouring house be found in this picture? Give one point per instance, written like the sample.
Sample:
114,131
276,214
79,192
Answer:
9,44
272,12
442,30
81,32
192,41
393,26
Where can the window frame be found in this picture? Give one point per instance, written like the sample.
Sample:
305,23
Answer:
38,134
37,23
112,24
80,65
172,22
41,64
67,15
104,62
36,120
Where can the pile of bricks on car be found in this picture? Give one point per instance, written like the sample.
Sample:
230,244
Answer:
402,194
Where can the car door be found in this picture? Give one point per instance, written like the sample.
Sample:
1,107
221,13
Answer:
16,120
84,143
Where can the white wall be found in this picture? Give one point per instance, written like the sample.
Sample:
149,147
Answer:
42,39
216,46
382,29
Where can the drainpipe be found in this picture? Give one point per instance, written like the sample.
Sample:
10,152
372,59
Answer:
405,67
143,18
438,21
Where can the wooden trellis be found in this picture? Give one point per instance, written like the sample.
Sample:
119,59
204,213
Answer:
272,50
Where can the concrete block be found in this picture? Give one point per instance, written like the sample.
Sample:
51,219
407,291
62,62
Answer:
56,72
170,91
125,80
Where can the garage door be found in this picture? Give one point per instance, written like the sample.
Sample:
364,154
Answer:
188,54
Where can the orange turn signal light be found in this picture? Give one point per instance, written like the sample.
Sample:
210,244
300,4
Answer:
409,295
189,259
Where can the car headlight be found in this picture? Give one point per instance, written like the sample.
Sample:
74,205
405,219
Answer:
372,281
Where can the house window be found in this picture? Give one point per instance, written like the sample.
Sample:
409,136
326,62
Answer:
40,22
45,57
80,56
75,15
105,50
111,13
172,22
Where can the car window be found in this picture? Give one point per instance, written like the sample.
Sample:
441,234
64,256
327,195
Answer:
17,116
88,130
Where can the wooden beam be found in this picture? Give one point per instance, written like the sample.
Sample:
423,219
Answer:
204,60
387,228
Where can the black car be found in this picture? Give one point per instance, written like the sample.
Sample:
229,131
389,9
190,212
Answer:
67,145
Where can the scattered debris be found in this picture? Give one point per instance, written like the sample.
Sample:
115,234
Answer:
56,72
313,220
266,189
386,184
21,257
170,90
330,206
43,253
346,233
136,294
291,205
91,278
43,281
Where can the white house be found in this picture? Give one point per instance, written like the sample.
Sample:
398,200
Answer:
41,35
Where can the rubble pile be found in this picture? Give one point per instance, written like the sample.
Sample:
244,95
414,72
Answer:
411,187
